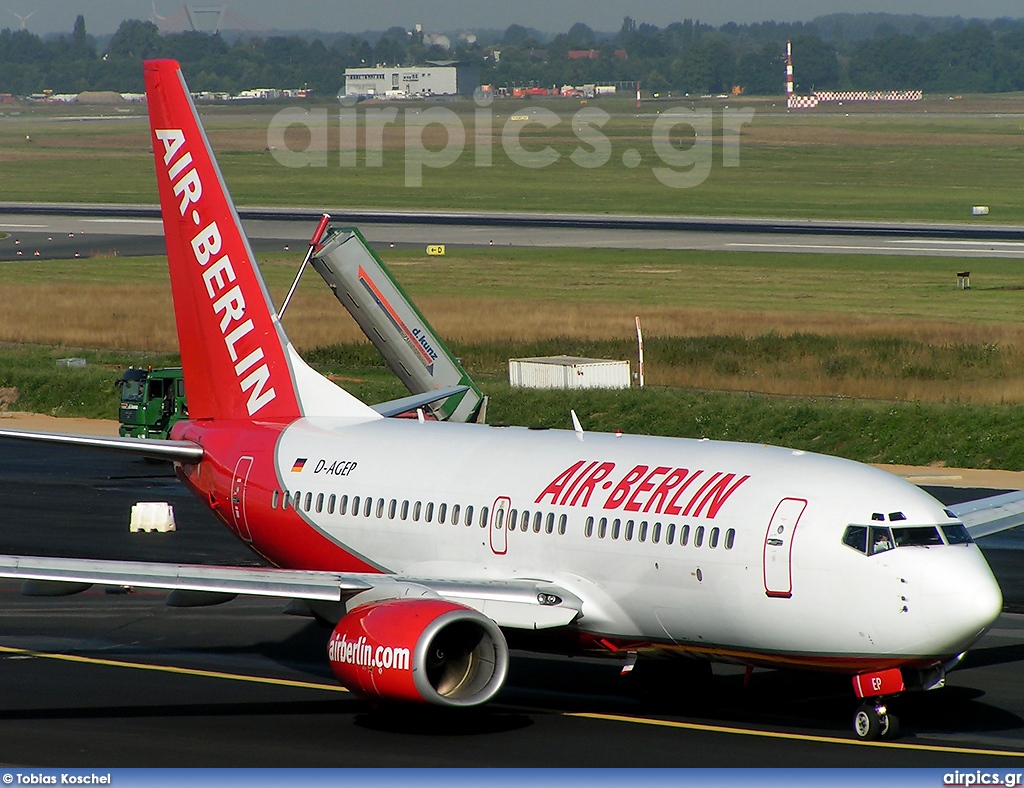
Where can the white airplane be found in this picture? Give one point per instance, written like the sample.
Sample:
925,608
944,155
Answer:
425,543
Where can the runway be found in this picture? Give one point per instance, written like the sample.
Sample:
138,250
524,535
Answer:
62,231
122,680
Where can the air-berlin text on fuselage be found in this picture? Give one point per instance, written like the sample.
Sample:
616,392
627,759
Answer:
360,653
226,300
660,489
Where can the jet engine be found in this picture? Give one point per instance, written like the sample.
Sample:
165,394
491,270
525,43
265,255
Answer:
419,650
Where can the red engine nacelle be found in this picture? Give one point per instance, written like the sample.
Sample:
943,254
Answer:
419,650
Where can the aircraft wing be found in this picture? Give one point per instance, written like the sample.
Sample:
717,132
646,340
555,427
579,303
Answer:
987,516
181,451
517,604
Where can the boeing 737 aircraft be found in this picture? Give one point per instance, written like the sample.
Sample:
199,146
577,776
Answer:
425,544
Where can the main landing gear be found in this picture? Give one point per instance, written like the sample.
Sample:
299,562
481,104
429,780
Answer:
874,721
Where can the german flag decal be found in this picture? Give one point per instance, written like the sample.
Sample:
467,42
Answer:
300,463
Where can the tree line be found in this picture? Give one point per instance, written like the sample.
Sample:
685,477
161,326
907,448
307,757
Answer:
686,57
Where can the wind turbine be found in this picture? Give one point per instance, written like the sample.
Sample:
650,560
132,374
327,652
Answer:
22,18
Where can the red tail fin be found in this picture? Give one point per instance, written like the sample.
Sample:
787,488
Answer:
232,355
237,361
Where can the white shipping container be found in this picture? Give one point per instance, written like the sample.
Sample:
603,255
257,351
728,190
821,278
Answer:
568,372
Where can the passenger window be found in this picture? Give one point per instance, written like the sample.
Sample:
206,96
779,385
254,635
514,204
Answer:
355,505
513,518
455,514
405,510
656,534
309,501
713,537
643,531
602,528
429,517
698,536
670,533
684,535
524,524
286,499
343,504
273,499
629,530
537,517
588,529
561,525
319,503
297,502
879,540
856,536
469,515
957,534
392,507
330,503
616,527
442,510
730,538
367,506
499,519
549,523
380,508
483,517
416,507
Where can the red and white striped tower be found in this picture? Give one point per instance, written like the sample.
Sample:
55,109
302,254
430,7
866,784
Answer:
789,69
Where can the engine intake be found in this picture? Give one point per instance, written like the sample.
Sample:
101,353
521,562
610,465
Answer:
419,650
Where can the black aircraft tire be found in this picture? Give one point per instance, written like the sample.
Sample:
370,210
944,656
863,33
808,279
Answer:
867,724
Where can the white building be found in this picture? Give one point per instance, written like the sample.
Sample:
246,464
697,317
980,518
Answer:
407,82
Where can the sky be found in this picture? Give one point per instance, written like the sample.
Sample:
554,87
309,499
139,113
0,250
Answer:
103,16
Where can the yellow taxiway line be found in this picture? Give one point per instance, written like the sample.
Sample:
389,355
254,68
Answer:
692,726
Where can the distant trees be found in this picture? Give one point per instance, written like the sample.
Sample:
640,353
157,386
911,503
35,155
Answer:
870,52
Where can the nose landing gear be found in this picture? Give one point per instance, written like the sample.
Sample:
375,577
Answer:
874,721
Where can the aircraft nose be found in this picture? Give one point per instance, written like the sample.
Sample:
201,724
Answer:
969,602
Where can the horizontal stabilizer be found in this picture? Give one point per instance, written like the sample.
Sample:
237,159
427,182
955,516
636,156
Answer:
406,404
177,451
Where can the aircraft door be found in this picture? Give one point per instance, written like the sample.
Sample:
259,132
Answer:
499,530
778,547
238,483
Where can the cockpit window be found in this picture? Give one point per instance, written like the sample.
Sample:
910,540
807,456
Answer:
956,534
917,537
856,536
879,540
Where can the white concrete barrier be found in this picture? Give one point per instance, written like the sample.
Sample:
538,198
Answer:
152,516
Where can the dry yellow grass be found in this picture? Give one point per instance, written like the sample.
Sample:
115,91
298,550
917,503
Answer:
140,317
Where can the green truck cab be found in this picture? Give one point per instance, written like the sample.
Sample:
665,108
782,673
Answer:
152,401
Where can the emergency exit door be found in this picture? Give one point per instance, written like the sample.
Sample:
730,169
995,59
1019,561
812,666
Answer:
238,484
499,532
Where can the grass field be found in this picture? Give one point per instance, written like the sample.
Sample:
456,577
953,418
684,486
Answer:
888,328
871,357
928,161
